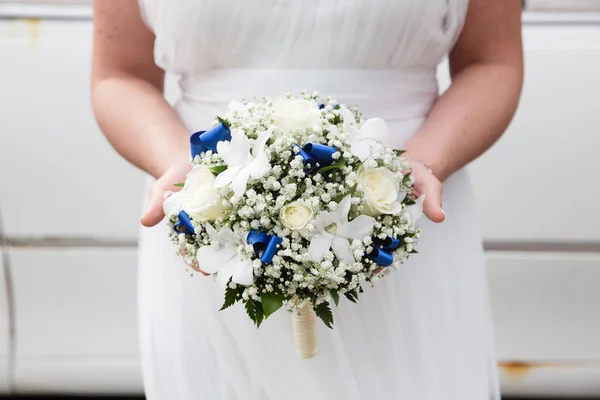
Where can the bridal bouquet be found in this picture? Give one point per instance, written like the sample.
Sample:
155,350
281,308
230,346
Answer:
294,203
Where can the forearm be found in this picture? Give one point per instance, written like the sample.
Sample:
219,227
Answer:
468,118
139,123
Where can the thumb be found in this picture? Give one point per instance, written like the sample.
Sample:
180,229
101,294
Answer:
432,208
154,213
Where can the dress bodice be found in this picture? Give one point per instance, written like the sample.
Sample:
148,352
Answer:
195,35
378,54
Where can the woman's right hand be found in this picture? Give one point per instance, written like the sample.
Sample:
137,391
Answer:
175,174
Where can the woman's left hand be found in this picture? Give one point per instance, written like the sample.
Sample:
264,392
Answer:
426,183
175,174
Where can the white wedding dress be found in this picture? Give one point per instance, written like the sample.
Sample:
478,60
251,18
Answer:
423,333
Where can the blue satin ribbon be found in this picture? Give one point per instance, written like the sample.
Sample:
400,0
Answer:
265,244
184,223
322,106
387,244
314,153
382,249
307,160
381,257
207,140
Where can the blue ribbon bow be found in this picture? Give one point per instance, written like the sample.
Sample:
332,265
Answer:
314,153
387,244
184,223
335,106
265,244
207,140
381,257
382,249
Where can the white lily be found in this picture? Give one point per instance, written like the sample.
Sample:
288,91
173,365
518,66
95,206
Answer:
241,163
416,210
333,230
373,131
225,261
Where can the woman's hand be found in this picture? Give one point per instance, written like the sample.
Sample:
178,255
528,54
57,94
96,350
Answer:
426,183
176,174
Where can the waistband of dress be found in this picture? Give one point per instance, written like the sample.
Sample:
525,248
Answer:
389,94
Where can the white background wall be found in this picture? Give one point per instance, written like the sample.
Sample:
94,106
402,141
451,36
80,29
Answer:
70,210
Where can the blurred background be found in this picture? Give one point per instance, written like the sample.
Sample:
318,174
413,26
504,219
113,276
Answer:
69,209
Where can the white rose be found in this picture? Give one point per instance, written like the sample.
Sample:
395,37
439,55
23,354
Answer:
382,195
295,215
293,114
198,197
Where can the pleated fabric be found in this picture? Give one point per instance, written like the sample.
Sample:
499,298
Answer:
423,333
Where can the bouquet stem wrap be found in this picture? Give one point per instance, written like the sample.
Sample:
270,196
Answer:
305,331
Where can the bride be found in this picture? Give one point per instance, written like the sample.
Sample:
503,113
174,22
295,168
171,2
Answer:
423,333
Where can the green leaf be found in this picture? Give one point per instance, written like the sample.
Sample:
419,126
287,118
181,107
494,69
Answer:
406,179
352,296
217,169
323,311
341,163
255,312
341,196
409,202
301,187
179,185
224,121
360,289
271,302
399,152
230,298
335,297
259,313
250,310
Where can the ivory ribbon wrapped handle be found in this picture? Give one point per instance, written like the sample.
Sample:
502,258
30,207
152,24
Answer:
305,331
